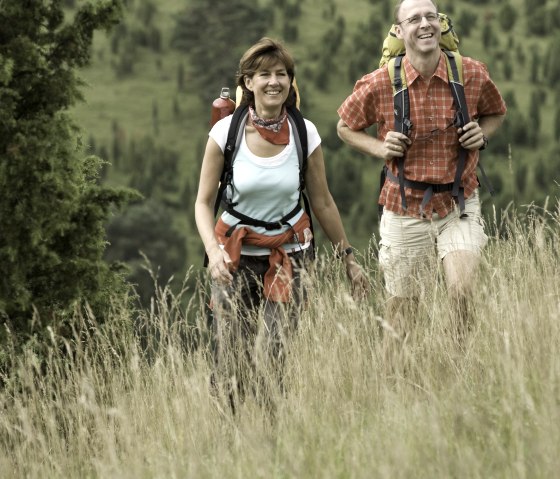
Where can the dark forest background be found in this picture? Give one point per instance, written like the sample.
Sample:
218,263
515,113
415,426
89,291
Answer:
152,77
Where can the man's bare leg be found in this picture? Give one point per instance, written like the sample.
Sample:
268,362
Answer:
460,269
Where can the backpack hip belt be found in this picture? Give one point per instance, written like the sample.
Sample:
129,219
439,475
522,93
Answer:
428,188
267,225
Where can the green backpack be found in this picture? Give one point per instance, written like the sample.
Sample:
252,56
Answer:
392,55
393,46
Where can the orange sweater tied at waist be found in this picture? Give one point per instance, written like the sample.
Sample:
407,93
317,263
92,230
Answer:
278,278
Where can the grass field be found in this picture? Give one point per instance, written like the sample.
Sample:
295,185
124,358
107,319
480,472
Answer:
485,407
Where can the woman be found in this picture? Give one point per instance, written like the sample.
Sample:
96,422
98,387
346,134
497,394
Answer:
243,260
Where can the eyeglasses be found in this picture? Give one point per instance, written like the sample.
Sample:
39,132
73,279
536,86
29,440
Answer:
434,133
416,19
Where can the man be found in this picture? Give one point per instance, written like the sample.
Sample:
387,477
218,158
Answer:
411,229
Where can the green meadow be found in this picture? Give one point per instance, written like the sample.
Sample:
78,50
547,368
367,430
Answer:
486,406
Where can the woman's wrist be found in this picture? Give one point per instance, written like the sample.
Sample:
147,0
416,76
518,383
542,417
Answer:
344,253
213,250
349,259
348,256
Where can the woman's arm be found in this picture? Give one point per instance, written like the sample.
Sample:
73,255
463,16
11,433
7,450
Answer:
326,212
212,165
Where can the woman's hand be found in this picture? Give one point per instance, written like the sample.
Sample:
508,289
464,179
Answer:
220,265
358,280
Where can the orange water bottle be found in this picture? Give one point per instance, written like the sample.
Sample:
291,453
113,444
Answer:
222,106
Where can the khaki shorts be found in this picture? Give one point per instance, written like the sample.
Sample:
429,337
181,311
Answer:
411,248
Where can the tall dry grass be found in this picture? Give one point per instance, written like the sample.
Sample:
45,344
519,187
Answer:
120,406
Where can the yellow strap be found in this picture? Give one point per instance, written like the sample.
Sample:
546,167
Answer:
459,62
391,68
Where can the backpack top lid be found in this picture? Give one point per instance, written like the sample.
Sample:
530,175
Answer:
393,46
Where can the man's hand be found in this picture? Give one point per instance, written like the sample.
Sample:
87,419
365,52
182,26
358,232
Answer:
471,136
395,145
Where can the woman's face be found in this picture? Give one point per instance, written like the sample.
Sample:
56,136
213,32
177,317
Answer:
270,86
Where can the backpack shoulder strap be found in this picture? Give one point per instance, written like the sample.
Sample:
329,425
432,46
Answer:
455,77
297,121
232,143
400,95
298,125
235,134
396,73
456,81
234,137
401,106
454,66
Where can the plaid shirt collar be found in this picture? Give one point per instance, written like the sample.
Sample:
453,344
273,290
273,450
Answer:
412,74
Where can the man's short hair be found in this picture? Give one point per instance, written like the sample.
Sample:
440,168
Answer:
398,9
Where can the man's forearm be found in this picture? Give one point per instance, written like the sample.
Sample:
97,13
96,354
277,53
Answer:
490,124
360,140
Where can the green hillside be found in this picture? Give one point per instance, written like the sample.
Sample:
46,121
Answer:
146,112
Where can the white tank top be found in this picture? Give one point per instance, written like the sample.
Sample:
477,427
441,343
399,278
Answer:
265,188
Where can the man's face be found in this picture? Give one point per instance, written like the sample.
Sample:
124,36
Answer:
419,26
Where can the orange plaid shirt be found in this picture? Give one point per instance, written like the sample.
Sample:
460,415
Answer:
432,156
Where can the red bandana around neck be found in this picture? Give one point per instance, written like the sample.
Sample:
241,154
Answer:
275,131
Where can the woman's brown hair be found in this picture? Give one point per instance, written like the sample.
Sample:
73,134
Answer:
262,54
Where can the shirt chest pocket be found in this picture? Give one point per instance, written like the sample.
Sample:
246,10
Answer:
446,128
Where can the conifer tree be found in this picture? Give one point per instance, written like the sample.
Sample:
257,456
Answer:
507,16
556,128
552,61
508,66
535,116
52,209
228,29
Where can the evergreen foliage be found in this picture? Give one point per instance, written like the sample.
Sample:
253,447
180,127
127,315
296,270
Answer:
488,35
52,209
535,63
535,114
552,62
538,19
217,23
466,22
507,16
135,239
367,38
556,130
508,66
